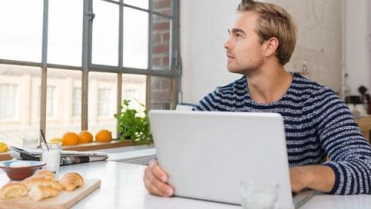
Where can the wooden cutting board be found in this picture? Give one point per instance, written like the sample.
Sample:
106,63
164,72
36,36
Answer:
63,200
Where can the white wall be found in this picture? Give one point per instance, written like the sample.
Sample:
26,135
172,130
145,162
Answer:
204,27
357,48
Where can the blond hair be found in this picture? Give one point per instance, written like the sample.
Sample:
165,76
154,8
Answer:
276,22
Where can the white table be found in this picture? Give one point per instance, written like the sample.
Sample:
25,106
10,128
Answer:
122,187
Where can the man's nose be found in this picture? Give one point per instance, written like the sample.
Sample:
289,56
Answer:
228,44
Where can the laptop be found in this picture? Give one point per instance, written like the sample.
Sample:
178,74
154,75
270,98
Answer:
208,154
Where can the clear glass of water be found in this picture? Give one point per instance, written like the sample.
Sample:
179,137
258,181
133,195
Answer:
259,195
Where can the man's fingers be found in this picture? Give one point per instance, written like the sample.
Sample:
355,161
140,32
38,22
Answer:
155,180
158,171
151,188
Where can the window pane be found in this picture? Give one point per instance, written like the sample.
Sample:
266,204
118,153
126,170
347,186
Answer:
65,32
161,43
138,3
102,102
135,38
60,102
21,30
19,101
163,6
134,89
105,33
161,93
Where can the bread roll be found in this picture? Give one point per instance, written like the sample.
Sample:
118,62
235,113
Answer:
42,181
71,181
13,190
42,192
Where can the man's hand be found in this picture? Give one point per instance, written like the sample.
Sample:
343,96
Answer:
155,180
298,179
320,178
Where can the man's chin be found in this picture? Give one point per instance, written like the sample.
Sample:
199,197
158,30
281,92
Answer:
233,70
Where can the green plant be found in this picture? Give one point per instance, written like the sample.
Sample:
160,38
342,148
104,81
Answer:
132,124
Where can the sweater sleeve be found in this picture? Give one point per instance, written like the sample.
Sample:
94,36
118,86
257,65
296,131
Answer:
348,150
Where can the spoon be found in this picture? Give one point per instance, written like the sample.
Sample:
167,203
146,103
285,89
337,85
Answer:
43,138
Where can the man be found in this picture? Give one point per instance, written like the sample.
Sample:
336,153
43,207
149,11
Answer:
317,122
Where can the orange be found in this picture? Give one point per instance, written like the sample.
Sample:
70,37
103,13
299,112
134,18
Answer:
85,137
70,138
3,147
55,140
103,136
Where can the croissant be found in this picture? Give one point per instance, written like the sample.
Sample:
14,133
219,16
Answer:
46,173
42,181
42,192
71,181
13,190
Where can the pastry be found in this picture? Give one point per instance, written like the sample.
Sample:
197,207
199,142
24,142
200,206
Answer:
13,190
71,181
46,173
42,181
42,192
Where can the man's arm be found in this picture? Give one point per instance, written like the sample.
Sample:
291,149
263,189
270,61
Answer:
349,152
317,177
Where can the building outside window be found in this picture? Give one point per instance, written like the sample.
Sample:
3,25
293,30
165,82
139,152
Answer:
104,102
51,104
8,101
76,105
71,70
131,94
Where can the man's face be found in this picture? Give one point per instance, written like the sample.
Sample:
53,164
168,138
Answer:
244,50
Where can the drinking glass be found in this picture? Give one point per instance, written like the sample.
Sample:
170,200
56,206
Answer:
258,194
51,155
30,143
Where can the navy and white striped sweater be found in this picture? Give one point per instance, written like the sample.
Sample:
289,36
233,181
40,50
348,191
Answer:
317,124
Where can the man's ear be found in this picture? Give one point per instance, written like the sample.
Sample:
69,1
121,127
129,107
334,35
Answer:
271,46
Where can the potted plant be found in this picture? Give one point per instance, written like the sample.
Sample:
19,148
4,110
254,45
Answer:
133,125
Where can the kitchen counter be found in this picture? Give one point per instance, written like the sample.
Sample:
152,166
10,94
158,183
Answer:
122,187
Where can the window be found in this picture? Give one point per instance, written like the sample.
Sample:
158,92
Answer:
135,38
24,103
65,34
23,37
8,101
71,72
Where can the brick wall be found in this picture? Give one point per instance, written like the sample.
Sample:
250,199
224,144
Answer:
161,87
